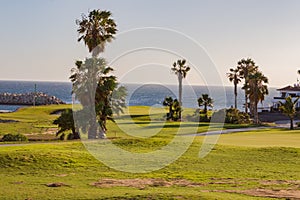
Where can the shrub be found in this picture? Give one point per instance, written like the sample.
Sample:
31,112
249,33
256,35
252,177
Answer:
66,122
14,137
233,116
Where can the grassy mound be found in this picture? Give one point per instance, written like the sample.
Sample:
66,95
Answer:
249,165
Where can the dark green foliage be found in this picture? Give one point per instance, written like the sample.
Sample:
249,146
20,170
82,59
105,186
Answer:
14,137
96,30
233,116
205,101
204,118
289,109
66,122
174,108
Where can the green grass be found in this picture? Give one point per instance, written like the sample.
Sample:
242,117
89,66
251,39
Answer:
263,138
30,119
34,166
238,162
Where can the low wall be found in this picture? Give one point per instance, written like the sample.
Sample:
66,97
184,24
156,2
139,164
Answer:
28,99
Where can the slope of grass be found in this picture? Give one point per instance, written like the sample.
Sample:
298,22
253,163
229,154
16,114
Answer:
26,170
238,162
30,119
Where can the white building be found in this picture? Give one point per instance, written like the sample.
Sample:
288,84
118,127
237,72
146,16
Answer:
293,91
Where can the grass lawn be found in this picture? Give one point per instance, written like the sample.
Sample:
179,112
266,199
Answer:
250,165
31,121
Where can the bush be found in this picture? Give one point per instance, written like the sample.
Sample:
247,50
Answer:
233,116
14,137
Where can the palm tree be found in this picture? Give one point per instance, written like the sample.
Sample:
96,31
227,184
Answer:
181,71
98,92
96,30
169,102
246,67
84,79
289,109
205,101
66,122
257,91
93,84
176,110
234,77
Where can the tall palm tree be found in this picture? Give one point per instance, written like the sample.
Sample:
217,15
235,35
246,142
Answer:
96,30
181,69
205,101
234,77
257,89
246,67
289,109
92,82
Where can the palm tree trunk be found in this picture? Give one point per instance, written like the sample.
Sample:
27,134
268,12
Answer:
246,103
180,93
256,113
235,96
92,132
292,123
91,88
75,133
102,134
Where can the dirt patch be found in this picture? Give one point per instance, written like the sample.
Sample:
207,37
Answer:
287,194
291,187
61,175
142,183
281,182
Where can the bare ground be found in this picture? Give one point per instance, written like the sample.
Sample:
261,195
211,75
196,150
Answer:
269,188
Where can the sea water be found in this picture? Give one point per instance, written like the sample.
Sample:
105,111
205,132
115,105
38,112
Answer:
139,94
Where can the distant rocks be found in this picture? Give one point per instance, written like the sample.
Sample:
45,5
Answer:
28,99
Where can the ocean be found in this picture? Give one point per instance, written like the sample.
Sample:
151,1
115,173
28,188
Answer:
147,94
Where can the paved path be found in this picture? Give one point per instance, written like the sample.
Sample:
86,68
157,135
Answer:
285,123
227,131
278,124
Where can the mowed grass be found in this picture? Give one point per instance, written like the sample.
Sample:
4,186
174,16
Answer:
237,163
30,120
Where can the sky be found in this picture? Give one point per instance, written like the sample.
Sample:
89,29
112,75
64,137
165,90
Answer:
39,40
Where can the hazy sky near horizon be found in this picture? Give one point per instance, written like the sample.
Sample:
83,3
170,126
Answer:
39,38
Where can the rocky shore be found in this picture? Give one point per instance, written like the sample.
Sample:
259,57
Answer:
28,99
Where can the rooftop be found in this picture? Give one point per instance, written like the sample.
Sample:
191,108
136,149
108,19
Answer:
290,88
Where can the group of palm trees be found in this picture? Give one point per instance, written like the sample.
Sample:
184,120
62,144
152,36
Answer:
255,85
180,68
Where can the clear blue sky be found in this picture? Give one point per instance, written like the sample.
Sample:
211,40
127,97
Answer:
39,38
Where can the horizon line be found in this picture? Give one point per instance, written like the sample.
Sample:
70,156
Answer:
170,84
